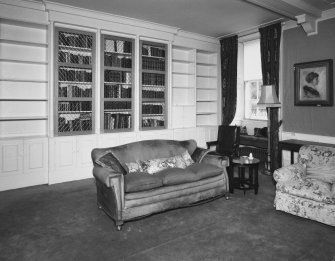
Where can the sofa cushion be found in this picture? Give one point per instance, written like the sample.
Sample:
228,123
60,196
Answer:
108,160
175,176
141,181
203,170
325,174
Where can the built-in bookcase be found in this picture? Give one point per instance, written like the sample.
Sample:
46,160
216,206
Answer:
153,87
74,88
207,88
23,79
183,87
118,83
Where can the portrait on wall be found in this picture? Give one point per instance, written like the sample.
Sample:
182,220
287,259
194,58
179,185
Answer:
313,83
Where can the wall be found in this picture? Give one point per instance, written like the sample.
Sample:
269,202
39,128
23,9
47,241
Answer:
298,48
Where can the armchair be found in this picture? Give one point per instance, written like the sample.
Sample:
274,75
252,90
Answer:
307,188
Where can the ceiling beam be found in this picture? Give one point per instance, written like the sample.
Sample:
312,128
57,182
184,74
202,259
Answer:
304,7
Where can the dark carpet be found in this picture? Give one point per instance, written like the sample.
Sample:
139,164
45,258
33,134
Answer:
62,222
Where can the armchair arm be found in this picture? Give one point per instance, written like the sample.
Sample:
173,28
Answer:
211,143
292,172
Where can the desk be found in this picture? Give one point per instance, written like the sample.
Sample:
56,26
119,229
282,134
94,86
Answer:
294,146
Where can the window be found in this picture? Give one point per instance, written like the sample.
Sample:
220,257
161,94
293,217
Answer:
252,81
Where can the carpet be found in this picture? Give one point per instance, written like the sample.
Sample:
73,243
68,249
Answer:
62,222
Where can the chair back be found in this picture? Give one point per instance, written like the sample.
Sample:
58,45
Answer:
228,140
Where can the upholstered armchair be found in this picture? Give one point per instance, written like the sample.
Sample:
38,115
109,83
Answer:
307,188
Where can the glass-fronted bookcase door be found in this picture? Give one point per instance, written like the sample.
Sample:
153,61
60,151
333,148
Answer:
117,86
153,79
74,78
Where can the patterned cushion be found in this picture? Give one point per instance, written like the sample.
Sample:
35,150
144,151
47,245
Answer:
187,158
134,167
108,160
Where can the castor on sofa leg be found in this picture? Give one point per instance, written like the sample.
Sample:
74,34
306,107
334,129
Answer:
118,225
227,197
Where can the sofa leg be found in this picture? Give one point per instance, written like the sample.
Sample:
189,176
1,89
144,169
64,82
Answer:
118,225
227,197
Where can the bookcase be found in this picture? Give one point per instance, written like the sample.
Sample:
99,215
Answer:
23,79
183,87
207,88
117,87
74,81
153,85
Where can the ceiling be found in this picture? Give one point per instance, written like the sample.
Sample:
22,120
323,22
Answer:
215,18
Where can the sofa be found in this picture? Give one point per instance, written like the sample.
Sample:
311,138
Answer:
307,188
146,177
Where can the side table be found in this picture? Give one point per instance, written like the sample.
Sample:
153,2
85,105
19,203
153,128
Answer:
241,182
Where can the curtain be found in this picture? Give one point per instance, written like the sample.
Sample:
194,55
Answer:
229,78
270,54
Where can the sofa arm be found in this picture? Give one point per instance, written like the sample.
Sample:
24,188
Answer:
106,175
292,172
216,159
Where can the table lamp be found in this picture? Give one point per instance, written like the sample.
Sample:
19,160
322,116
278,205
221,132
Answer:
268,99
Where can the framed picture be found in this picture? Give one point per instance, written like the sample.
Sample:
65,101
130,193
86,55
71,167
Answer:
313,83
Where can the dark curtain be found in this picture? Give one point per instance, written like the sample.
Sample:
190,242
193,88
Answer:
229,78
270,54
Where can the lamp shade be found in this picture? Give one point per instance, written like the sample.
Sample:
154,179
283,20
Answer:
268,97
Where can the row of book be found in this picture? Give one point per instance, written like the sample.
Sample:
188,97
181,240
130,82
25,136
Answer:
156,94
153,79
74,91
75,106
118,46
117,121
149,63
117,105
153,108
153,51
67,57
74,74
74,125
115,60
117,76
75,40
153,123
117,91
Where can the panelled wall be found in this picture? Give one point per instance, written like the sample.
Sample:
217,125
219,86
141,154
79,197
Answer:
31,150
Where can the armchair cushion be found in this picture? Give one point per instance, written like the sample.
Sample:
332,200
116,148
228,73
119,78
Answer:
141,181
321,173
310,189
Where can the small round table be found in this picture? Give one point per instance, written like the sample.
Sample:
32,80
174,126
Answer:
241,182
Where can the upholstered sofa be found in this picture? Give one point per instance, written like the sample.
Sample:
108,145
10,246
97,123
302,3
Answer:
146,177
307,188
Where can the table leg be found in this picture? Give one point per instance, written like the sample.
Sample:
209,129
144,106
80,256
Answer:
256,179
231,178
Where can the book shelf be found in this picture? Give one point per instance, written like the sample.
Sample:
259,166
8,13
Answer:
183,87
206,88
117,87
74,78
153,79
23,79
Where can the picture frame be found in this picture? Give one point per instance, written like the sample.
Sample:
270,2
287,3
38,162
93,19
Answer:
313,83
